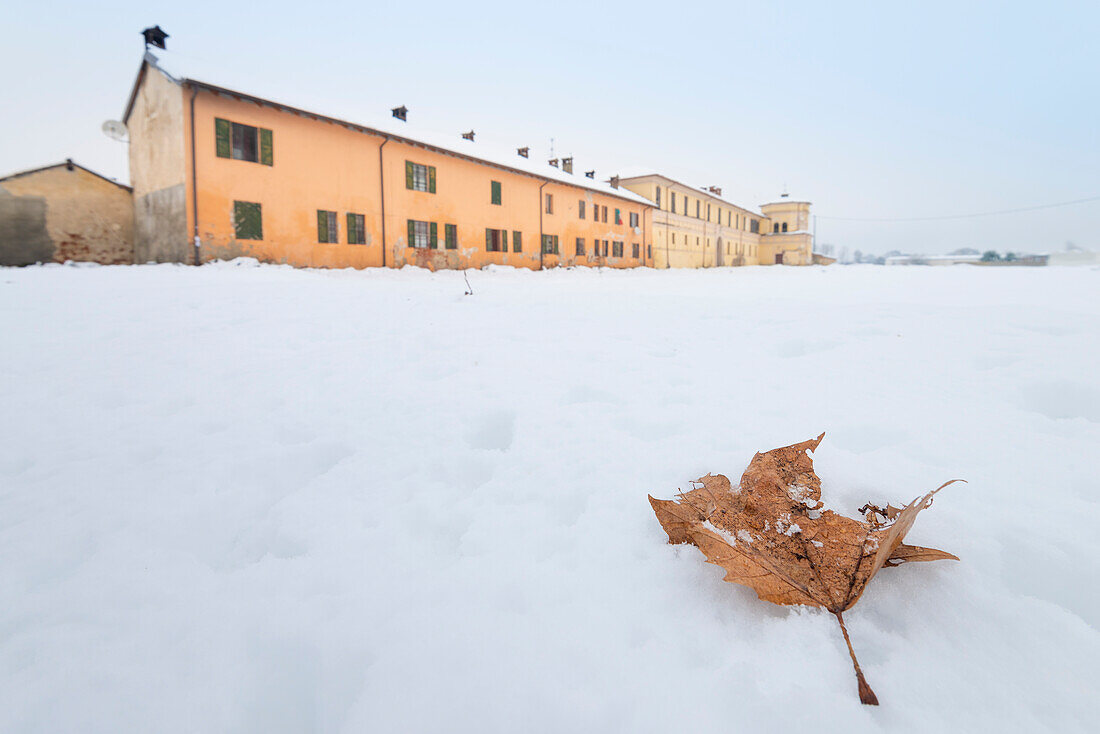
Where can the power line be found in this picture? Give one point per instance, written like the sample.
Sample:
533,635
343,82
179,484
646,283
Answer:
959,216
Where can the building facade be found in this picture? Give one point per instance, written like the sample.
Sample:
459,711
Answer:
64,212
697,228
219,174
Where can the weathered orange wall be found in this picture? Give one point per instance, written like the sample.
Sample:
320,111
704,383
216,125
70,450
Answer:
317,165
324,165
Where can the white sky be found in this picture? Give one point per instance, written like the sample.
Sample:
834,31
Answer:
866,109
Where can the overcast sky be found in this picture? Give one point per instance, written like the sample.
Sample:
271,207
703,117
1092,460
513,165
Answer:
869,110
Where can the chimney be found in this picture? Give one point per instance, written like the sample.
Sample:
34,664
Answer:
154,37
69,163
554,162
567,164
614,181
590,174
401,113
468,136
524,152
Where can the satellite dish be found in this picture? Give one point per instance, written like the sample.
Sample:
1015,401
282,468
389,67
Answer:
114,129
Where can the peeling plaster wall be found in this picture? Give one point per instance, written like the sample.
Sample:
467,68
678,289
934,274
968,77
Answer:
60,214
23,236
158,171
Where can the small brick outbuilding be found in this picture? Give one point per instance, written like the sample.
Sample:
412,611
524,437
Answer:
65,212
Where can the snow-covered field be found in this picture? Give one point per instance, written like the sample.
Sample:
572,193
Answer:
257,499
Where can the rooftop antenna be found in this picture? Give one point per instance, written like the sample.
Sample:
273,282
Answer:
154,37
784,195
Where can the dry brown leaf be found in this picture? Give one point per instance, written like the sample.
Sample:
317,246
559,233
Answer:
770,533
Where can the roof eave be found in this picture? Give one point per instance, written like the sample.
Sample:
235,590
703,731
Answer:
215,89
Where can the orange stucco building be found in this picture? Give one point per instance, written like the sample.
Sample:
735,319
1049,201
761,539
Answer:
219,174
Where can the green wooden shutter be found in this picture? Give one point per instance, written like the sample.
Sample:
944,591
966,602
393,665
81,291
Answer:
433,236
353,238
267,150
488,239
412,234
431,179
408,174
556,251
496,192
451,237
221,137
517,241
247,220
322,226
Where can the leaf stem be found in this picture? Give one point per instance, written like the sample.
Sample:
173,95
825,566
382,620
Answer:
866,695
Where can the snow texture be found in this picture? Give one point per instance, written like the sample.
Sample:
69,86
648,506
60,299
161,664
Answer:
245,498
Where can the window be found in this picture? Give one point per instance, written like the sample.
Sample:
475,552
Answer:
247,220
244,145
580,247
634,247
450,237
672,200
658,197
495,193
603,212
618,217
327,231
754,226
243,142
708,212
517,241
422,234
549,203
550,244
775,227
580,208
697,203
419,178
496,240
649,251
674,238
784,226
633,219
616,249
356,229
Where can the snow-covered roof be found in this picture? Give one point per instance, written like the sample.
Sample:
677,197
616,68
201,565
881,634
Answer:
632,172
491,152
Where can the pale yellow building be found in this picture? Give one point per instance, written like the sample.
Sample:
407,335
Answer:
697,228
787,239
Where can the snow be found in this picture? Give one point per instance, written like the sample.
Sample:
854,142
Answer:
256,499
180,68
